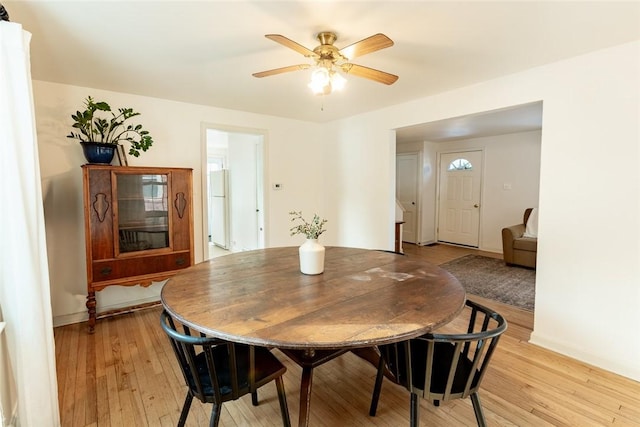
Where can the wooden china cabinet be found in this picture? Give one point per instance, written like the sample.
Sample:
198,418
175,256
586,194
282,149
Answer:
138,226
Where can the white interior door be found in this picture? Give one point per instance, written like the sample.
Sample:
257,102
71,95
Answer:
243,192
407,168
459,198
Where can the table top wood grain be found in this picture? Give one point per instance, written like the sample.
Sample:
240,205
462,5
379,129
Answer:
364,298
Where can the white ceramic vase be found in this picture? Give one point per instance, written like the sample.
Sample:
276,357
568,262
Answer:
311,257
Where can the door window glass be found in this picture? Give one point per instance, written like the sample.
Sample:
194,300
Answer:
460,164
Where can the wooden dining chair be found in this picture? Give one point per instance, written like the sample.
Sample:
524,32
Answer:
218,371
441,367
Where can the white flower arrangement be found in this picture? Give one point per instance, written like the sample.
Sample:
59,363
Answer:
311,229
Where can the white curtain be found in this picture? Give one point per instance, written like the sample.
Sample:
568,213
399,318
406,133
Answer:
24,274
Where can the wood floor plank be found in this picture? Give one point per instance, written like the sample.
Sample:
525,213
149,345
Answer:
103,417
113,398
69,405
150,387
91,379
126,375
82,394
61,335
508,414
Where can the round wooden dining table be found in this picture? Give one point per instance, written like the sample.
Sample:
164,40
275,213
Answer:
364,298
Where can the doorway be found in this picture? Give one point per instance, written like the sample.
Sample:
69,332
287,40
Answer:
233,189
459,189
407,185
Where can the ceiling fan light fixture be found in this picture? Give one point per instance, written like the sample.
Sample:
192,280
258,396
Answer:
337,81
319,80
324,81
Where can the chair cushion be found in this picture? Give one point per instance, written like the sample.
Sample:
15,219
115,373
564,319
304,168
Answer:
266,366
526,244
442,359
222,369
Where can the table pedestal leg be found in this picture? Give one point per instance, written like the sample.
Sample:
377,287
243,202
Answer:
309,359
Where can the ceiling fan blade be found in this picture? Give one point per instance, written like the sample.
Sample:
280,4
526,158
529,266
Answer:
368,45
369,73
290,44
281,70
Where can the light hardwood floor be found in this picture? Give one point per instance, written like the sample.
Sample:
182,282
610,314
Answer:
126,375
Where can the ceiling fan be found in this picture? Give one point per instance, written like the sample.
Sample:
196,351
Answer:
329,59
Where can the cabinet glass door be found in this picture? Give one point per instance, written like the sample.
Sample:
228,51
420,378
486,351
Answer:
143,212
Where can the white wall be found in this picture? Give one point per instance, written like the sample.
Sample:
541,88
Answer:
176,129
588,280
588,276
360,191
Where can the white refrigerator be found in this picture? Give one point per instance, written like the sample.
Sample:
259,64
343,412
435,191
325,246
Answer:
219,208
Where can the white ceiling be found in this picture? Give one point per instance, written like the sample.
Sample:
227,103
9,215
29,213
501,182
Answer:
519,118
204,52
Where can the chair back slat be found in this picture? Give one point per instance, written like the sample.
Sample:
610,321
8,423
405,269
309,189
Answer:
181,352
212,369
233,370
252,371
479,361
406,362
452,372
428,372
493,343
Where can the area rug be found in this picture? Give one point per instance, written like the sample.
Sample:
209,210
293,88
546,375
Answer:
491,278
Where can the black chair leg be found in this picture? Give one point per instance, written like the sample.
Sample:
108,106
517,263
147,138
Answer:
254,398
415,410
377,388
477,409
282,398
185,410
215,415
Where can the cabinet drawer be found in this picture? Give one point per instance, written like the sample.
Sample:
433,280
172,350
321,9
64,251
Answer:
139,266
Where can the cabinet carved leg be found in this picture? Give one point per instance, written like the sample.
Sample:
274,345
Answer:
91,307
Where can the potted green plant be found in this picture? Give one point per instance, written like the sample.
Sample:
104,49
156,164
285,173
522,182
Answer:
101,134
311,252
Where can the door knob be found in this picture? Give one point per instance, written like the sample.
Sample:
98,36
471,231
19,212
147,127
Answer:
476,205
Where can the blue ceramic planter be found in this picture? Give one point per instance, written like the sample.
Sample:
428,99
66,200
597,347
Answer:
98,153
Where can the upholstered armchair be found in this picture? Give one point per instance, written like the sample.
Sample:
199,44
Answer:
519,245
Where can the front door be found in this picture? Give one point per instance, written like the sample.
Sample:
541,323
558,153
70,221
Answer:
407,194
459,198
